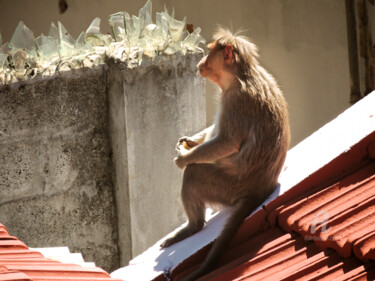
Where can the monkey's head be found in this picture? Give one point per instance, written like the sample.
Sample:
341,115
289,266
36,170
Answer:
230,59
217,65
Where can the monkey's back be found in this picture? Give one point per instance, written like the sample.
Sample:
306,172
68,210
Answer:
261,124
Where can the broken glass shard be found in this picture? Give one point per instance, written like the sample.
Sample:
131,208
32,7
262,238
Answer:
22,48
3,60
172,48
64,34
149,40
94,27
5,48
150,30
184,35
132,29
66,41
192,41
54,32
48,47
81,45
127,23
166,11
94,37
98,40
152,40
117,24
23,38
162,23
176,27
145,15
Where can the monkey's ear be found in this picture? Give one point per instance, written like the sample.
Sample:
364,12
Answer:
228,53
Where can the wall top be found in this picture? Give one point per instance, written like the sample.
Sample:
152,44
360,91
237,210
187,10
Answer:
26,57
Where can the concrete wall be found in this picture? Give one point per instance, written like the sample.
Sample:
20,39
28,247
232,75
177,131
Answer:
86,156
55,166
302,42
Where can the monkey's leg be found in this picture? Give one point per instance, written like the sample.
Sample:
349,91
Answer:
201,183
194,207
242,208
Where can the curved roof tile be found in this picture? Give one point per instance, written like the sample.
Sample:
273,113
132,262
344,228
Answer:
18,262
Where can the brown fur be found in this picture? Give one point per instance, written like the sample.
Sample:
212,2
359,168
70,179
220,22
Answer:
237,161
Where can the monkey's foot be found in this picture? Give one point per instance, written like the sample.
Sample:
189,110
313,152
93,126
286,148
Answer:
181,235
168,242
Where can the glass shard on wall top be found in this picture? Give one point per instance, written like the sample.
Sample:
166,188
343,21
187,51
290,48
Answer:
132,37
3,59
66,41
117,24
48,47
54,32
193,40
94,37
176,27
145,15
23,38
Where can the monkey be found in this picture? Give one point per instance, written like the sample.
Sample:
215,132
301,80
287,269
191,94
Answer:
237,161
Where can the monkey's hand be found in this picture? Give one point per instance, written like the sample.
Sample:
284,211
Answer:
181,160
186,142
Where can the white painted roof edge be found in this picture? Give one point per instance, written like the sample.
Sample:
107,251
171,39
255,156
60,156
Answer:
304,159
63,254
330,141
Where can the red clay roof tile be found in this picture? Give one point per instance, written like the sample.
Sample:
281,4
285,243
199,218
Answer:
3,231
364,248
19,263
14,276
348,206
12,245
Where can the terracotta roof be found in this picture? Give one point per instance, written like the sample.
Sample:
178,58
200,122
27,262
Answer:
321,229
18,262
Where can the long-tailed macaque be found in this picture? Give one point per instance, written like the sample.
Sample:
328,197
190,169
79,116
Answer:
235,162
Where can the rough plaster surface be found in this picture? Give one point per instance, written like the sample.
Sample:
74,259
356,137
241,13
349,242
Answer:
163,100
55,167
86,156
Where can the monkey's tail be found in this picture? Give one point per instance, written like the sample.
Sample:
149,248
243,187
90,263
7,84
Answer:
241,209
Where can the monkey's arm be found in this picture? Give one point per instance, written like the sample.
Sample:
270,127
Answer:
197,138
200,137
189,142
209,151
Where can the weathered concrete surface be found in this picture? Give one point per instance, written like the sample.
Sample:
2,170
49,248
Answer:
161,101
55,166
117,133
86,157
